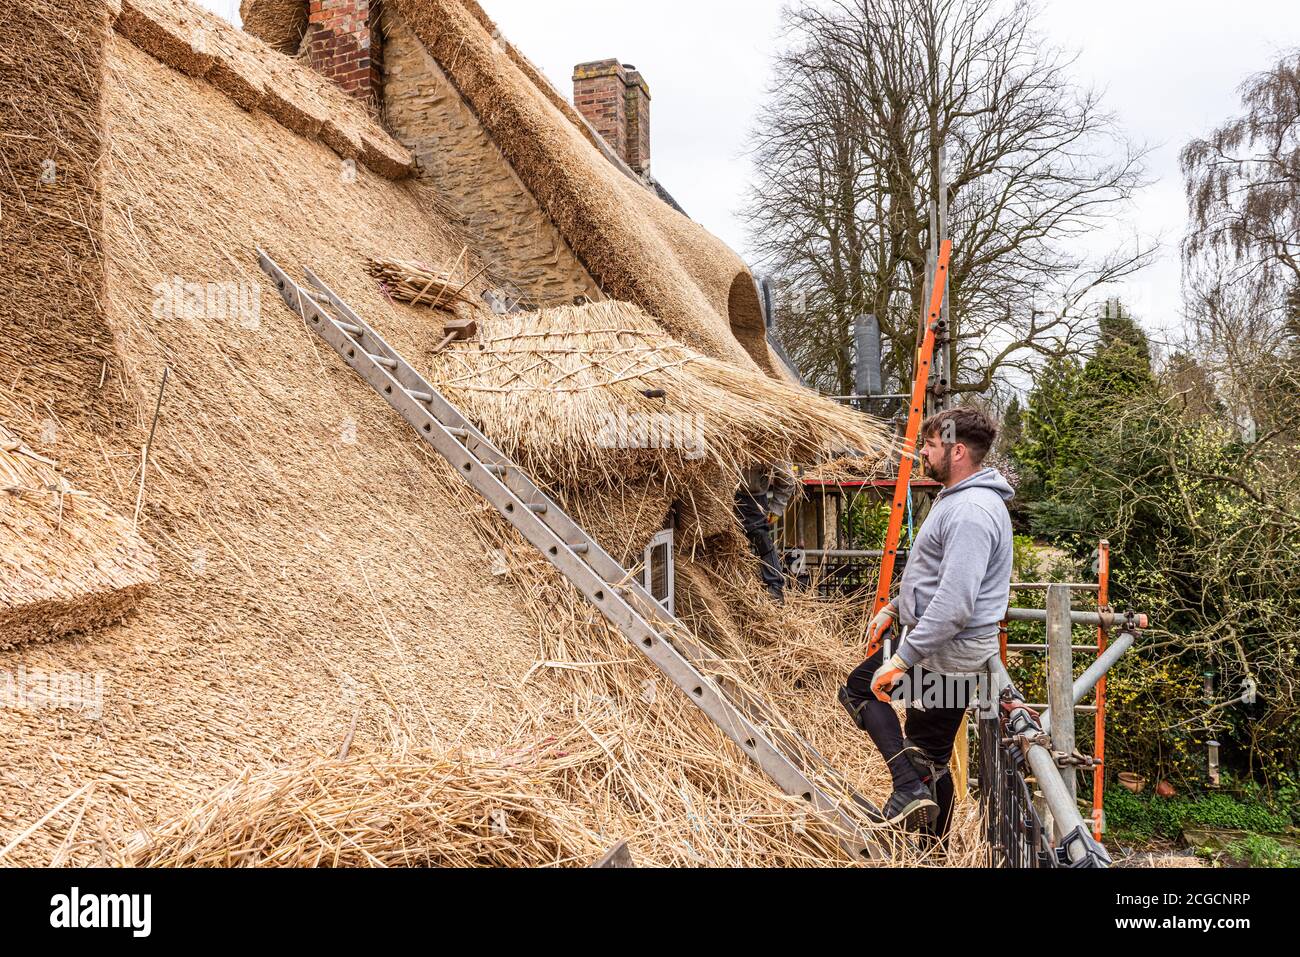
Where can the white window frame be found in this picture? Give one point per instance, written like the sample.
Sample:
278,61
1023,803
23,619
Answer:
662,538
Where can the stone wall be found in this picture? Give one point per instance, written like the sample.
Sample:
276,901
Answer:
453,152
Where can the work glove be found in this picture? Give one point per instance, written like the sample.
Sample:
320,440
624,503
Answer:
883,621
887,676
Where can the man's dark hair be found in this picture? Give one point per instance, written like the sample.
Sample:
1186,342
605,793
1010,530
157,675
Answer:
969,426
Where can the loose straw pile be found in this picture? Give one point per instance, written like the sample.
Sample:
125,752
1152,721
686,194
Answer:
415,809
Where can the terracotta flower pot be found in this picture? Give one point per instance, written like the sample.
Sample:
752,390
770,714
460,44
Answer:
1132,782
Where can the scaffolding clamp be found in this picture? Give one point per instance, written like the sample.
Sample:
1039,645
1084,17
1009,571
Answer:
1079,849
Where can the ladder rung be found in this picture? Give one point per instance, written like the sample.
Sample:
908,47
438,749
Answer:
349,328
538,509
579,549
461,434
495,469
386,363
420,396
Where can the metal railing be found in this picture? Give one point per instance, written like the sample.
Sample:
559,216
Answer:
1013,831
1016,742
1013,744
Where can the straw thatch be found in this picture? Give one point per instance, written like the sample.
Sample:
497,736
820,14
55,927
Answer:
203,45
598,392
310,573
51,68
67,563
637,248
278,23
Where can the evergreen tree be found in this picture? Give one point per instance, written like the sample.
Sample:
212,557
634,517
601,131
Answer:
1012,432
1121,364
1049,429
1068,405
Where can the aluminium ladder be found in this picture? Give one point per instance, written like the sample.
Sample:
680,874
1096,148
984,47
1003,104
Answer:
790,761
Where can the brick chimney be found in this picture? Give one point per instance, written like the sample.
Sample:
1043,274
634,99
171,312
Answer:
638,121
342,43
615,99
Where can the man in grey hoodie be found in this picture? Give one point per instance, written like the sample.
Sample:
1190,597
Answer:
954,594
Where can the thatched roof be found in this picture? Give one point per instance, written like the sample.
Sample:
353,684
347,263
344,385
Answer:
637,248
599,392
203,45
67,563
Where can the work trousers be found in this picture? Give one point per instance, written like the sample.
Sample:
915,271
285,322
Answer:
753,518
932,726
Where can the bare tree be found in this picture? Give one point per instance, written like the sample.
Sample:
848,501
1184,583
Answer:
1241,255
1243,184
847,152
1238,329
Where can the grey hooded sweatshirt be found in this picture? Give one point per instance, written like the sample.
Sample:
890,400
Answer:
957,584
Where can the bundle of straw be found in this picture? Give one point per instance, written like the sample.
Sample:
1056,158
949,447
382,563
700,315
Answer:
421,285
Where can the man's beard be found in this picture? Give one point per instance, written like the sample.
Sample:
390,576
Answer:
939,471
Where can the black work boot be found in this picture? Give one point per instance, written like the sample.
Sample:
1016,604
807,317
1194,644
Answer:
910,804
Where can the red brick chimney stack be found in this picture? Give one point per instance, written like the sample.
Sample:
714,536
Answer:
638,121
615,99
342,44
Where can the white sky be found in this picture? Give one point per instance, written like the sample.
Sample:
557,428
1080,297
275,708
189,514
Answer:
1169,69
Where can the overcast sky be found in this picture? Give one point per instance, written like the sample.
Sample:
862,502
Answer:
1168,68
